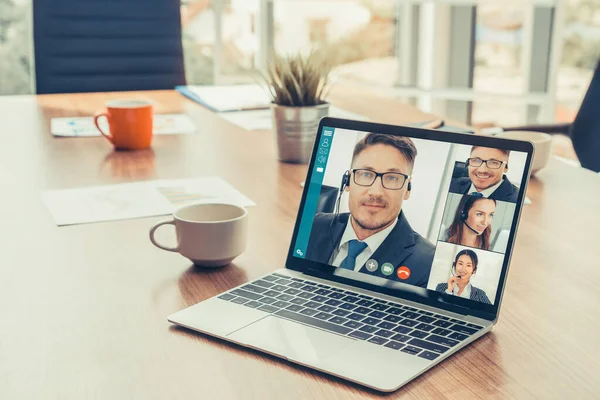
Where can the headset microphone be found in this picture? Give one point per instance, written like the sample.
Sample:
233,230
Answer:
343,184
454,271
345,181
465,222
464,214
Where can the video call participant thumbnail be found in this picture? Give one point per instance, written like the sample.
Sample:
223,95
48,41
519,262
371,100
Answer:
375,235
487,168
463,268
472,223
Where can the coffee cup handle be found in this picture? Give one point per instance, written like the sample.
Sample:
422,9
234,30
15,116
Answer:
153,240
97,116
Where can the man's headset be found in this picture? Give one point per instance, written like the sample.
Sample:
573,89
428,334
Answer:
345,182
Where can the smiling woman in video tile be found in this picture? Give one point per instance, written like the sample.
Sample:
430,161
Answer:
459,284
472,223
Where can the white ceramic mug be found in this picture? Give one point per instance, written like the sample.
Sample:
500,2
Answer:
541,141
210,235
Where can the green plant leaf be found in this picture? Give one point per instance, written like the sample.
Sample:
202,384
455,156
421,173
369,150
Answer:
298,81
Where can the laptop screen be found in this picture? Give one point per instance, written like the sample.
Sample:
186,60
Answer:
428,216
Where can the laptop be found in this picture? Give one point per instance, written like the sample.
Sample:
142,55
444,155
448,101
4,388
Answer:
393,266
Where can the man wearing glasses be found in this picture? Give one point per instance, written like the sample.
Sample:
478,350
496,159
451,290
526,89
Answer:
375,237
486,167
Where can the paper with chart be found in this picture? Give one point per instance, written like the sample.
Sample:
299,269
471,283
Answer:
164,124
138,199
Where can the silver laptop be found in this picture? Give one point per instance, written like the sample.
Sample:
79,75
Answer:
398,260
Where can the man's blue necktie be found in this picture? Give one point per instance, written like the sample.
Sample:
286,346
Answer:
354,249
476,194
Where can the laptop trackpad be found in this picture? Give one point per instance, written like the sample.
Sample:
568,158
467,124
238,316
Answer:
291,340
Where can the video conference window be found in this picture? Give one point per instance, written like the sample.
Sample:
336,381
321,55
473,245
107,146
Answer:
478,222
466,272
483,173
383,205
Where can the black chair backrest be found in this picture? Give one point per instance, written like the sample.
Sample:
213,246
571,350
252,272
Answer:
460,170
327,199
585,130
107,45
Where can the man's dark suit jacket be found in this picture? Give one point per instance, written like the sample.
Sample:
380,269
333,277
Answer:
505,192
402,247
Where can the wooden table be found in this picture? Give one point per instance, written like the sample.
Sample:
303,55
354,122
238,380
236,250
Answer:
83,308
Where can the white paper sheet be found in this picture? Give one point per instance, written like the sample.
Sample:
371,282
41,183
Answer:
229,97
164,124
138,199
261,119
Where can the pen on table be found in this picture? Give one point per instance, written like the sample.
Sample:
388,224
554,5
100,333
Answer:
441,125
249,108
493,131
434,124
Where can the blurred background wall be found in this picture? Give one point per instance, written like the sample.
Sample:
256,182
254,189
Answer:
487,73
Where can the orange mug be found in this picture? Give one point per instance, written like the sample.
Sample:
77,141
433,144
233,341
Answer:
129,123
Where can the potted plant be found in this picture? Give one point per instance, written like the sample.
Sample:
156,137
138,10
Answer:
299,86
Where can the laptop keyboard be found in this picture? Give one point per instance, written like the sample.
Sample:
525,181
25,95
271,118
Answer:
384,323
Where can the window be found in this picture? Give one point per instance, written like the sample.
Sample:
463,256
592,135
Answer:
220,41
15,41
357,36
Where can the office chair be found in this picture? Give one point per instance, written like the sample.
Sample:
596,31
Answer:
584,131
460,170
327,199
107,45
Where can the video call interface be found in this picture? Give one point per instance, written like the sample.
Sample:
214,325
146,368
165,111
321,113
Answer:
430,214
